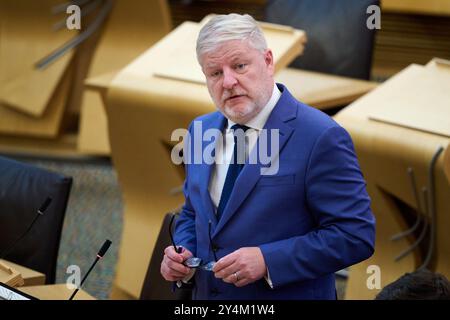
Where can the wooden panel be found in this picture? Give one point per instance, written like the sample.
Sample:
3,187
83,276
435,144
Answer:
385,152
321,90
426,106
287,43
30,276
26,37
55,292
196,10
447,164
434,7
13,122
93,137
406,38
130,30
64,146
9,275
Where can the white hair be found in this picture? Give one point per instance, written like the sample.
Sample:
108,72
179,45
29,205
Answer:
222,28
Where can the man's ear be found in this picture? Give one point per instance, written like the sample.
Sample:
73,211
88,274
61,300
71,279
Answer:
268,58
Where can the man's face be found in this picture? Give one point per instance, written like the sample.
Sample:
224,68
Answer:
239,79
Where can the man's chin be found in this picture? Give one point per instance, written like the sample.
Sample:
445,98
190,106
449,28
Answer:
238,117
241,109
237,113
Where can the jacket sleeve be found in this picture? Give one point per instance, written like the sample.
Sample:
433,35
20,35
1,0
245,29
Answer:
345,226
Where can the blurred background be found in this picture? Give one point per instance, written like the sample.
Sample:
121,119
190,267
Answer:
98,103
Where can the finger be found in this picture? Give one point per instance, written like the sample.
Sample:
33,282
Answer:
227,272
230,278
176,274
224,262
169,274
178,267
173,255
169,249
242,282
234,277
186,254
175,269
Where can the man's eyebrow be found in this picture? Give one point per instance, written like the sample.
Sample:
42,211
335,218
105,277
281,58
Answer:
234,57
238,56
211,65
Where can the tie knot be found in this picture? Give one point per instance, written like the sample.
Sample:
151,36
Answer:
239,126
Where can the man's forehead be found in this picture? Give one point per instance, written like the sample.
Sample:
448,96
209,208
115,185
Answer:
227,51
214,58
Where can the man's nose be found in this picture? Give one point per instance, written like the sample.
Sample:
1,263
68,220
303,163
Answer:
229,79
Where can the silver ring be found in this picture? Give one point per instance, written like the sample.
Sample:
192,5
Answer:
236,275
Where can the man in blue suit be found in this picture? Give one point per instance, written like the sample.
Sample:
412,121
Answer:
275,234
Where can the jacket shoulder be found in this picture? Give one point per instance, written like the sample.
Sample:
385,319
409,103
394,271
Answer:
314,120
207,118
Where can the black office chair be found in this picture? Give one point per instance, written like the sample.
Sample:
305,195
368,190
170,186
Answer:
339,41
23,190
155,287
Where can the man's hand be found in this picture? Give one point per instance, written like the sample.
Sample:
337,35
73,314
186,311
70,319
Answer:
172,267
241,267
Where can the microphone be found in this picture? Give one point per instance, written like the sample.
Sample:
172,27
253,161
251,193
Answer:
100,255
104,248
44,206
40,212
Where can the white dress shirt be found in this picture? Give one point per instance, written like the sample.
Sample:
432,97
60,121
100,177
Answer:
225,152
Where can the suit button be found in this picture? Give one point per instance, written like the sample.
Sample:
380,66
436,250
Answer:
215,248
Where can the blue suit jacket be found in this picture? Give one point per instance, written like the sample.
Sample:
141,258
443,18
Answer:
310,219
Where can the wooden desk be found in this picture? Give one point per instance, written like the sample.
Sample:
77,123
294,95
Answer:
432,7
38,105
30,276
323,91
55,292
411,111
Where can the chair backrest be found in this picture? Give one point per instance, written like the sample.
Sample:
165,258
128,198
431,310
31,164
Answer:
155,287
23,189
339,41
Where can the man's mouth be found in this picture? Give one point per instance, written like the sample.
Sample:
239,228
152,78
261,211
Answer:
234,97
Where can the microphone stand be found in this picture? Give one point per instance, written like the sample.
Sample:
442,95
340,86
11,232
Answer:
100,255
84,278
14,277
40,212
8,250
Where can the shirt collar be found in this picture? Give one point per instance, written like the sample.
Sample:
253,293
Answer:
259,121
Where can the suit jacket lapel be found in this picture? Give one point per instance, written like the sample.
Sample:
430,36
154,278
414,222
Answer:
284,110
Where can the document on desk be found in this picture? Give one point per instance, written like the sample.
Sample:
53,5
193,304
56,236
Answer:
9,293
418,97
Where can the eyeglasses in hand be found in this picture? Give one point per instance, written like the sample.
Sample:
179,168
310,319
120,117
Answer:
193,262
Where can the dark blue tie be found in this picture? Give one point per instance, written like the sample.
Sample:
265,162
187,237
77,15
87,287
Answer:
234,168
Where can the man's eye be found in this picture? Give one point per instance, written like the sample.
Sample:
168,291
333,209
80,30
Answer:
240,66
216,74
